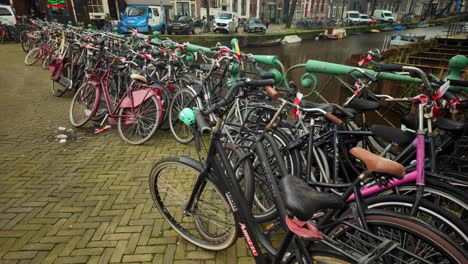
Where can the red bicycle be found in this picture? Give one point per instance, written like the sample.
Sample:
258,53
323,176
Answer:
137,113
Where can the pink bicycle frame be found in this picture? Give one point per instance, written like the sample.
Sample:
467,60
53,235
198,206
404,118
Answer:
417,176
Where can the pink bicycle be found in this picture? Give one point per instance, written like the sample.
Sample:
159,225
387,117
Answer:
137,113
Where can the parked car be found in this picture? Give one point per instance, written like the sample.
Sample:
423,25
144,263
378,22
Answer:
351,18
365,19
253,25
373,20
384,16
7,16
181,25
144,18
226,22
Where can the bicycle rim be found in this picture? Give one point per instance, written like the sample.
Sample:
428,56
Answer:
171,184
32,57
58,89
182,99
435,216
416,242
139,124
84,104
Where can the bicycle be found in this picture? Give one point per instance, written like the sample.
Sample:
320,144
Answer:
215,181
138,112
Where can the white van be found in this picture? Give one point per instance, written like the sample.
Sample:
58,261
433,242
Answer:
222,22
351,18
384,16
7,16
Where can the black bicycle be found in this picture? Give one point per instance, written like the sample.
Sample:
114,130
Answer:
205,203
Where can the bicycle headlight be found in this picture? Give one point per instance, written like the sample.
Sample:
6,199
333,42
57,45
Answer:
187,116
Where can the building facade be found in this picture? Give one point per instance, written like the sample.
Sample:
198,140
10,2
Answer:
272,10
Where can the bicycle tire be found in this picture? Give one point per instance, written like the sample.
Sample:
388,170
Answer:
182,99
145,115
91,103
447,252
321,256
33,56
54,53
440,193
263,200
188,170
430,213
57,89
245,177
25,41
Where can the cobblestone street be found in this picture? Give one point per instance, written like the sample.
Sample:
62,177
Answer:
86,200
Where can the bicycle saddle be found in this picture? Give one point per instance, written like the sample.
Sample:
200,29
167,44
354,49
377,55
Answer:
376,163
302,201
410,122
450,125
363,105
393,134
138,77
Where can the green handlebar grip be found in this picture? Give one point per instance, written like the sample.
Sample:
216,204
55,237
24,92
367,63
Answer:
339,69
278,75
271,60
195,48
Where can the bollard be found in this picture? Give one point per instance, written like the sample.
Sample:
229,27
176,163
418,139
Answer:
457,64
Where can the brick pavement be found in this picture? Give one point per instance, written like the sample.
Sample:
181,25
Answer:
86,200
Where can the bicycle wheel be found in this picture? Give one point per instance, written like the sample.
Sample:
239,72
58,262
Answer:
139,124
440,193
58,89
33,56
25,41
244,176
430,213
416,241
263,208
171,183
52,55
182,99
84,104
320,256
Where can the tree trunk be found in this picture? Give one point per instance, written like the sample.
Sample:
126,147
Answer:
291,13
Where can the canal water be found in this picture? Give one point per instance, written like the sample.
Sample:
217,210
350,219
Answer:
335,51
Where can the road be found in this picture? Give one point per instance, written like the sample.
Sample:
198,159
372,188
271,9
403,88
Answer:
86,200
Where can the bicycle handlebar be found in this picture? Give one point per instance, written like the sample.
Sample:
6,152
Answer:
233,90
379,67
458,83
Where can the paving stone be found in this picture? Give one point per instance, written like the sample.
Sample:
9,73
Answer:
137,258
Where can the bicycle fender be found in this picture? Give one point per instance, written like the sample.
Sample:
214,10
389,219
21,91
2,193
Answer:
139,96
191,162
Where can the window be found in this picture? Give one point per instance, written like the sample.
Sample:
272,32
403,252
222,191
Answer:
4,12
182,8
95,6
243,7
155,12
135,11
224,15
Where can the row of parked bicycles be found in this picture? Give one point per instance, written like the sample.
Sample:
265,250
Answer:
302,182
